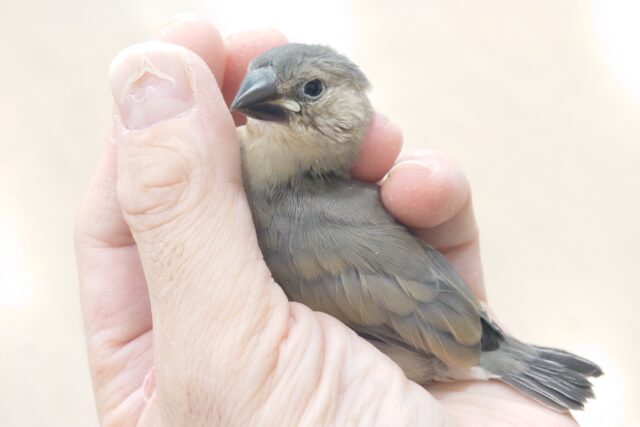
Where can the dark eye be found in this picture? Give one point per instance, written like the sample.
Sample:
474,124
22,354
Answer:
313,88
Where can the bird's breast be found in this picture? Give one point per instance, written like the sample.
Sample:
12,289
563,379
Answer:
316,232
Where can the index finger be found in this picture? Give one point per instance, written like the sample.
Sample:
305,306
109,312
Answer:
241,49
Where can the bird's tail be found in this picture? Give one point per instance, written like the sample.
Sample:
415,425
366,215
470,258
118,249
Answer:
556,378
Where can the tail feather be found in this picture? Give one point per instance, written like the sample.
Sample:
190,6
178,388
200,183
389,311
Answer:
571,361
566,389
543,393
556,378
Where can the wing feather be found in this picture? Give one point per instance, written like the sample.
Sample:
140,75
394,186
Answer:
367,270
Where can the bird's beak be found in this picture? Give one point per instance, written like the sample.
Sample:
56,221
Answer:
259,97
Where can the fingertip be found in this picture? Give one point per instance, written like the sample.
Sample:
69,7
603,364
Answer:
379,151
424,192
161,90
252,39
160,74
199,36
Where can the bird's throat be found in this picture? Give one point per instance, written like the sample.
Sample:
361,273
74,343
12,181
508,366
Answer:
273,155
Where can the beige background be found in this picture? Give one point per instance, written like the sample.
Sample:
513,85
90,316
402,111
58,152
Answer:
537,100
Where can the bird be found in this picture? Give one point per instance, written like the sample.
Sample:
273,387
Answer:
332,246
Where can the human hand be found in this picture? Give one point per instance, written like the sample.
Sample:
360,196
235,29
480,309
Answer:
165,237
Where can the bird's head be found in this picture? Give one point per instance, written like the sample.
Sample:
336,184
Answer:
312,98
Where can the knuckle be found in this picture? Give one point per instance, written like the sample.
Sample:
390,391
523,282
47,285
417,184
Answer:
159,180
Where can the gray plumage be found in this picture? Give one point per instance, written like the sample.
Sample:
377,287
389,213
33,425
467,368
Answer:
332,246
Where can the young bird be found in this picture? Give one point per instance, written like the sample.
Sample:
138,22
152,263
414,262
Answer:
332,246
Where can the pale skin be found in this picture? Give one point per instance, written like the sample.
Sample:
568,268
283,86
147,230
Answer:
165,233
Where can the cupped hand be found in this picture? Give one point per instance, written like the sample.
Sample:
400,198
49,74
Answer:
184,324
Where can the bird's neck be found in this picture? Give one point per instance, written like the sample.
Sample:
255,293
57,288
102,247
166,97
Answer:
273,156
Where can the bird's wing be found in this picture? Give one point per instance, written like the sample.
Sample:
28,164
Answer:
340,252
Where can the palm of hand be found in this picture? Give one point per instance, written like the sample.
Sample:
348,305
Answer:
310,369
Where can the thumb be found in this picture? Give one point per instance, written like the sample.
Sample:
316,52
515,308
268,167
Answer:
180,190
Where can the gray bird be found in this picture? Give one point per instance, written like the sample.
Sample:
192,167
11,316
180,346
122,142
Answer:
332,246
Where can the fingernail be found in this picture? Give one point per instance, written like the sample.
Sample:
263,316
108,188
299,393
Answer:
150,84
415,167
383,121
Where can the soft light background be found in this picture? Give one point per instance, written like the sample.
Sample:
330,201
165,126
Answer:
539,101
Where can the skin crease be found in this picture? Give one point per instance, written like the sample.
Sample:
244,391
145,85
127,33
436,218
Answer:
226,347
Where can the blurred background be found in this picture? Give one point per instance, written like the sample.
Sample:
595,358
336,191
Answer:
538,101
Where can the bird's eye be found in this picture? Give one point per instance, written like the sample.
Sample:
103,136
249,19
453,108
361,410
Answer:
313,88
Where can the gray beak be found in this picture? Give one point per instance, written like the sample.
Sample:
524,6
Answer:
259,98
